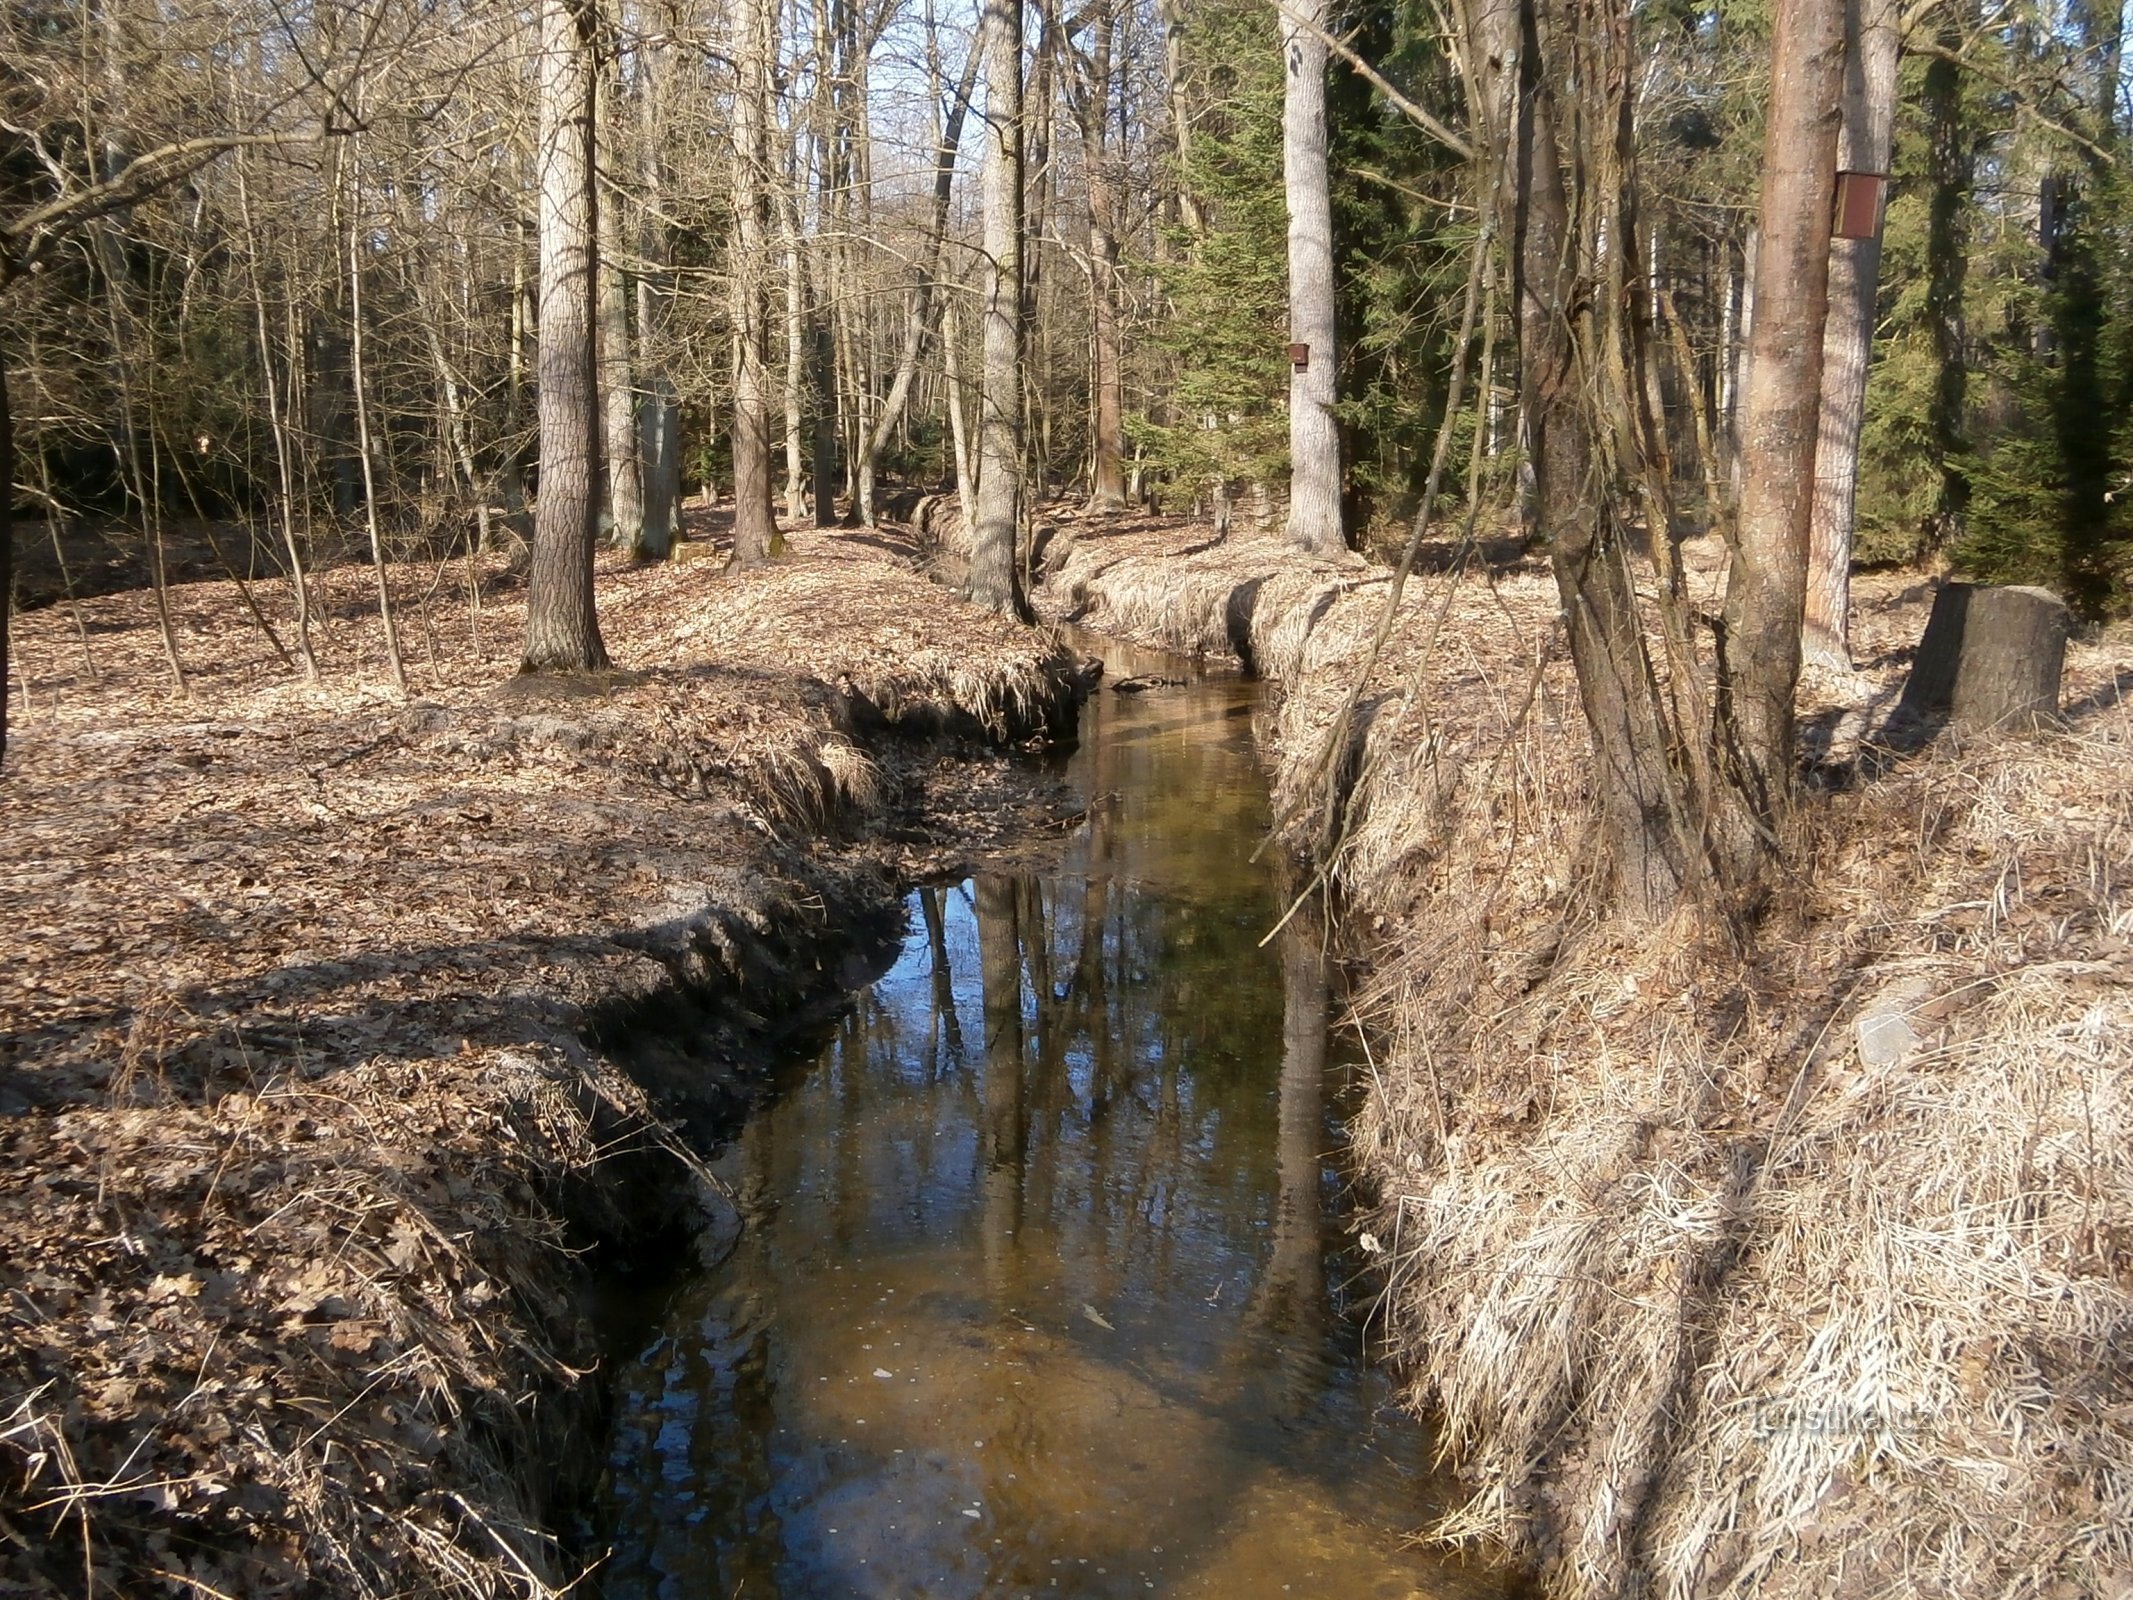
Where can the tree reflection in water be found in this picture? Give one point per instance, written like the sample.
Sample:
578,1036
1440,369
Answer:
1054,1313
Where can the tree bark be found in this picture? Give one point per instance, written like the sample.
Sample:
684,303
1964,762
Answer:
999,491
1947,268
618,374
1874,39
658,414
1314,435
562,629
755,528
795,373
1759,657
1990,660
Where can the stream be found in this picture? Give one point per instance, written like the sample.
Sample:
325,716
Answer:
1044,1288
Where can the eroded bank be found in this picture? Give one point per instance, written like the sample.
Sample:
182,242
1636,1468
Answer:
1718,1291
305,1124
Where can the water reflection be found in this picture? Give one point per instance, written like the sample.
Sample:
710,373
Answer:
1036,1295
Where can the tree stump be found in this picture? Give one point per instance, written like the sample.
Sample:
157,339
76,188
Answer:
1990,659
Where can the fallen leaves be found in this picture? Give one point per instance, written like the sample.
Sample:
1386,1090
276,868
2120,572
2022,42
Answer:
298,980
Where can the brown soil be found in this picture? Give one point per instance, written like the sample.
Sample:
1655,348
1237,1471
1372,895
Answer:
1799,1269
340,1022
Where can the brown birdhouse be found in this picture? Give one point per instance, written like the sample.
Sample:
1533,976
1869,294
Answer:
1300,357
1859,196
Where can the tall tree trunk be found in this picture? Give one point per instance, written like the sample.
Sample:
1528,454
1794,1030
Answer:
562,629
658,412
1314,435
795,373
1947,269
618,374
992,557
511,476
1874,41
966,478
1759,656
755,526
1107,422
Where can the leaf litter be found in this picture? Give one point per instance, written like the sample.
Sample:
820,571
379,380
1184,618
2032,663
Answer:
316,1079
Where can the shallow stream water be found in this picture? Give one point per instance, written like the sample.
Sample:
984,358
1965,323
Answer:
1043,1289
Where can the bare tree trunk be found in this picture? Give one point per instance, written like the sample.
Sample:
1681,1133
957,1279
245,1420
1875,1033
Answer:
1107,421
1759,657
1875,41
562,628
1314,435
658,413
618,377
795,351
359,386
511,476
966,486
755,527
999,490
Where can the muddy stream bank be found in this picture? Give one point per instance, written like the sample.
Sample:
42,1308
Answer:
1043,1286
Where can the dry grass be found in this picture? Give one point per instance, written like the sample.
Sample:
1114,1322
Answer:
300,1134
1713,1300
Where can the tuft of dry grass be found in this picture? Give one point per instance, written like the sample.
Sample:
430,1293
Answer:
1717,1294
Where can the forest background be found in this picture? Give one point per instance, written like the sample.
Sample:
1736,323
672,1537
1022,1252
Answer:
307,316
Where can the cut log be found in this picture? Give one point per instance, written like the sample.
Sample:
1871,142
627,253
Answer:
1990,659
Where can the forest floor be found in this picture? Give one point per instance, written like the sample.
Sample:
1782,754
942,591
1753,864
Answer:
342,1021
1792,1265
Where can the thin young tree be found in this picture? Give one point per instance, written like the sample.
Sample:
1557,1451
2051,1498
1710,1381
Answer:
562,628
1314,433
993,577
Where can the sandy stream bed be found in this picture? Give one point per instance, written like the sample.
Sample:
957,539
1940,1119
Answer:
344,1028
